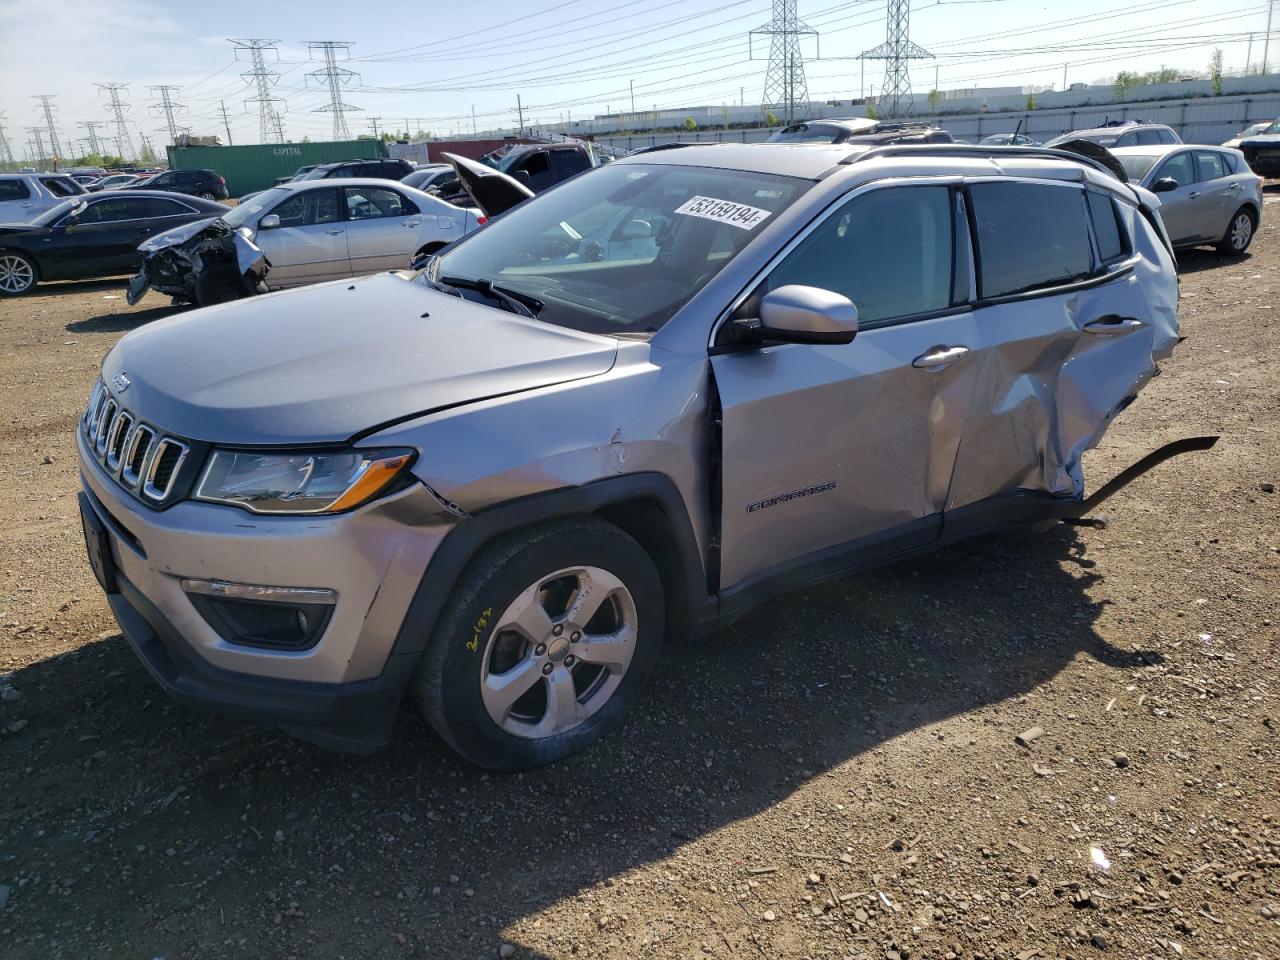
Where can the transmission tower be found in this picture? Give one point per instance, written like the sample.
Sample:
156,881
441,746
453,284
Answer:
124,142
44,99
785,85
168,107
262,79
6,152
146,146
91,129
335,78
895,93
37,135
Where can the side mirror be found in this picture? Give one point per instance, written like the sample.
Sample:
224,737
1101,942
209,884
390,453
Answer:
637,230
1164,185
799,314
269,222
522,176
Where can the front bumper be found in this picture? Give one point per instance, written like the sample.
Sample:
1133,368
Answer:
342,690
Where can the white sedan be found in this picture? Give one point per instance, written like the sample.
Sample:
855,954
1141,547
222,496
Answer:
313,230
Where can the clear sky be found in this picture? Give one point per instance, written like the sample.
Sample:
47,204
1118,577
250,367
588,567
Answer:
430,64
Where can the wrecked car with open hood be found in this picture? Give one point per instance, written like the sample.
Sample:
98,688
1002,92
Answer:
204,263
624,412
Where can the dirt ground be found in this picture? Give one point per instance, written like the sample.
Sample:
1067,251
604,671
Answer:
835,775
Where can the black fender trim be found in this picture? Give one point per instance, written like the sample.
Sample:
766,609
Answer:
470,536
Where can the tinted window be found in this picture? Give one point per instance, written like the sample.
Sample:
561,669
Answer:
1209,165
1146,137
1136,165
1030,236
371,203
308,209
808,133
13,190
566,163
889,251
1124,140
1179,167
161,180
1106,227
158,207
1168,136
61,186
108,211
535,164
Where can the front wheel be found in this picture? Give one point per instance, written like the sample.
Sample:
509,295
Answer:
1239,233
208,195
18,273
551,636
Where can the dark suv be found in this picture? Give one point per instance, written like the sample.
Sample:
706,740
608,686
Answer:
389,169
539,166
205,184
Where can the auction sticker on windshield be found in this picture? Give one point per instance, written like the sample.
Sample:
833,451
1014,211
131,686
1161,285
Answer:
723,211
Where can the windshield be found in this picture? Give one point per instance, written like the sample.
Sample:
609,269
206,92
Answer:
1138,165
246,211
317,174
1273,128
54,214
622,248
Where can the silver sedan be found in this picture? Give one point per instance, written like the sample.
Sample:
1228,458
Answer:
1208,195
315,230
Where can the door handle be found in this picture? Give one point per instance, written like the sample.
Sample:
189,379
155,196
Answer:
412,223
1193,194
1113,326
1234,186
333,233
939,357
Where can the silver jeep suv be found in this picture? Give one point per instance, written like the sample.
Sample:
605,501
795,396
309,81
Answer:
622,412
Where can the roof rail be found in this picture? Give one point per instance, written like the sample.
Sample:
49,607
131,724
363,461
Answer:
666,146
974,150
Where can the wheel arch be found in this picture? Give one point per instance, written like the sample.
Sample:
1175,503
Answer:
646,506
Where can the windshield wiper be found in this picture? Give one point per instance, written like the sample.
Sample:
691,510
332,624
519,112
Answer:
515,301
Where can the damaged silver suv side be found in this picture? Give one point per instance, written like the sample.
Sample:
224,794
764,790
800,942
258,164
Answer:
623,412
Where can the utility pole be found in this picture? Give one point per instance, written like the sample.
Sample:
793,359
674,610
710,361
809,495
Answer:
335,78
897,50
1266,43
473,120
262,79
633,96
91,128
45,104
1064,76
6,152
520,112
784,81
124,142
1248,54
168,107
226,123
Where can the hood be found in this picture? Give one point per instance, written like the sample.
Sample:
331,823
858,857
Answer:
19,227
491,190
175,235
324,363
1258,139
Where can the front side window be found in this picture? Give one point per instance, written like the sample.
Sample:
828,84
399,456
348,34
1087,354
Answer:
1209,165
372,203
308,208
889,251
162,180
1031,236
621,248
1180,168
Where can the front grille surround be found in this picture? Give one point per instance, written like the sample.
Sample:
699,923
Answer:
141,458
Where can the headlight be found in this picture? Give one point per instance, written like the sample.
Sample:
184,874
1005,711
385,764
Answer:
288,482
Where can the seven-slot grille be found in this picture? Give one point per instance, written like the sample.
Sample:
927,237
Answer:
142,460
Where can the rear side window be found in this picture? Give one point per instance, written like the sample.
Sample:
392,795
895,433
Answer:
1030,236
1209,164
889,251
62,187
1167,136
1148,137
565,163
1112,245
13,190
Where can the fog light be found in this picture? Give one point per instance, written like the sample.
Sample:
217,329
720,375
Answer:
279,618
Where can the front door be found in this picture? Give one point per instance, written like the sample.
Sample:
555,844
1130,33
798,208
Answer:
103,241
825,446
382,229
310,244
1186,209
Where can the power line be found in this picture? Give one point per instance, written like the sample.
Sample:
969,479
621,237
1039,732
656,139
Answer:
784,81
47,106
168,107
335,78
124,142
897,50
269,125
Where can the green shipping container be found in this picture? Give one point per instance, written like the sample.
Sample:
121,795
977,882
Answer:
252,168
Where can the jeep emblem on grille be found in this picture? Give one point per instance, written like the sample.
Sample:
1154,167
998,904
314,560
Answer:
120,382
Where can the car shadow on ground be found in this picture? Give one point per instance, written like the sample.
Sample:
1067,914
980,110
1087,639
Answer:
122,322
1195,259
415,842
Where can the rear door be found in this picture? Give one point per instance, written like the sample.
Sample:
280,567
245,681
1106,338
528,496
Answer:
382,228
311,242
1063,341
825,446
1220,192
17,203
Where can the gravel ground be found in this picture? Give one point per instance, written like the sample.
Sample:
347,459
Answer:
838,774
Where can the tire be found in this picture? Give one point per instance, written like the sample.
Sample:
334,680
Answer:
208,195
18,273
1239,235
217,285
557,701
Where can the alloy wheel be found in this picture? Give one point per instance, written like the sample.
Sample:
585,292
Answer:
1241,231
16,275
558,652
